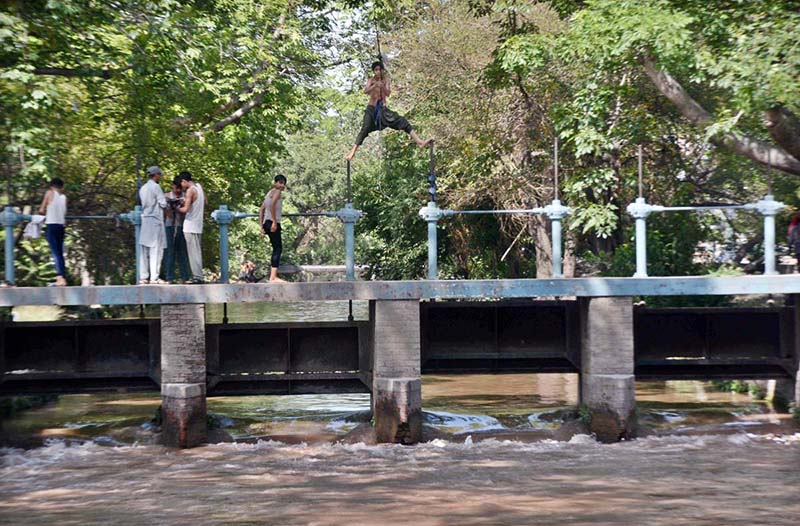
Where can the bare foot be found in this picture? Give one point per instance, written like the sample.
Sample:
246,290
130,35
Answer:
278,280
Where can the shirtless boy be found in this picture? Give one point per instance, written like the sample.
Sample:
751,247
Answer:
377,116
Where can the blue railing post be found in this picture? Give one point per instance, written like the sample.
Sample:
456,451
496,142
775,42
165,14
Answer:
349,216
640,210
223,217
556,212
431,214
769,208
11,218
135,217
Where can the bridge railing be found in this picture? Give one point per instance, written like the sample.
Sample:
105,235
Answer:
10,217
347,214
431,213
767,207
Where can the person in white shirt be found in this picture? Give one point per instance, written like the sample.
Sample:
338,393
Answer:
54,208
152,238
193,206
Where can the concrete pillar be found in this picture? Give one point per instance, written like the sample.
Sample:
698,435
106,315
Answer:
607,379
183,375
396,383
781,392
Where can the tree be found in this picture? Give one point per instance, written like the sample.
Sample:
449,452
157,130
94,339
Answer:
96,91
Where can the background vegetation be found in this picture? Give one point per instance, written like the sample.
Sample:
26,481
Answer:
237,91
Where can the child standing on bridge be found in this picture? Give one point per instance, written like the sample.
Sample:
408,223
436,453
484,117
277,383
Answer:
269,216
377,116
54,208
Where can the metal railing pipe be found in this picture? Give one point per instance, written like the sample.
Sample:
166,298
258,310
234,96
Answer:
769,208
10,218
135,217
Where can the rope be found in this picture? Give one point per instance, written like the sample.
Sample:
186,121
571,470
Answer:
380,103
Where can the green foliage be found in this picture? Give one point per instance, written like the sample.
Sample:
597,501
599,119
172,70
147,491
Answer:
733,386
94,92
10,406
237,91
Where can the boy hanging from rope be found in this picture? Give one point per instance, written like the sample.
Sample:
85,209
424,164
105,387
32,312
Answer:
377,116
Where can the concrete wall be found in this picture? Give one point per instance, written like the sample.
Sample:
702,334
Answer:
397,386
183,375
607,367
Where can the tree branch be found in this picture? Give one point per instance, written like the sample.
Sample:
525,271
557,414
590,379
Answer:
79,72
238,114
754,149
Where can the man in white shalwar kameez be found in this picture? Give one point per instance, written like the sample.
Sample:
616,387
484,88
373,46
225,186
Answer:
153,237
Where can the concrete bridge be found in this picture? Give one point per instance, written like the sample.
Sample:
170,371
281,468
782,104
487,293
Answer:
583,325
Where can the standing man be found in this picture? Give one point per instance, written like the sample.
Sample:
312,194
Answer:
377,116
193,206
153,239
269,215
176,243
54,208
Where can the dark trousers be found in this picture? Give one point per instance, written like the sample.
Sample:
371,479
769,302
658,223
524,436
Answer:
55,238
380,118
275,241
176,251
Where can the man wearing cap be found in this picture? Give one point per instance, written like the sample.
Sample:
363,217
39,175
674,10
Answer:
153,238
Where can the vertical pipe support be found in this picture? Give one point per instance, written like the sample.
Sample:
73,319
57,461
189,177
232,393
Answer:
556,212
223,217
769,208
135,217
431,214
640,210
432,175
349,216
9,219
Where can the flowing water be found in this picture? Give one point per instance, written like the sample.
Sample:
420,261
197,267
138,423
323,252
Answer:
712,458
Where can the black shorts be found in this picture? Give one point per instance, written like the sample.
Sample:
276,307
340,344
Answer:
386,118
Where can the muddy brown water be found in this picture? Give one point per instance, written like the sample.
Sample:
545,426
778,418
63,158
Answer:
715,458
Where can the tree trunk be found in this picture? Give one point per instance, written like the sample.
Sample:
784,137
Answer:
544,249
749,147
784,128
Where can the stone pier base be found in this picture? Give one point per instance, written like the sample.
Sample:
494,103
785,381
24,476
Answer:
183,375
396,384
183,415
398,410
607,361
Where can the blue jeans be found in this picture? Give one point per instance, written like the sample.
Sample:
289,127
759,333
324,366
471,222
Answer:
55,238
176,249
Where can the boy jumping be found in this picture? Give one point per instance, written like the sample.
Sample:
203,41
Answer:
377,116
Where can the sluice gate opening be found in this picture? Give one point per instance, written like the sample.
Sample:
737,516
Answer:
456,337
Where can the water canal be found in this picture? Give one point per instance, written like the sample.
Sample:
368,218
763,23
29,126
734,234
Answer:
712,458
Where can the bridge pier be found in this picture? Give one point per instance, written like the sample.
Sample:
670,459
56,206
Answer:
396,384
607,367
183,375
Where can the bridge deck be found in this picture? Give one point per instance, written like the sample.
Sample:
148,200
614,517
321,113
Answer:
392,290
